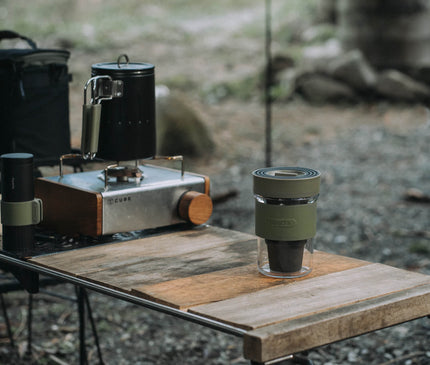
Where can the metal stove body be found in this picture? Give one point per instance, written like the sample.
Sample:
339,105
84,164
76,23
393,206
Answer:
83,203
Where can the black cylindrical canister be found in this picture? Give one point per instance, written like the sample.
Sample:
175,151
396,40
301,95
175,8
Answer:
127,125
17,187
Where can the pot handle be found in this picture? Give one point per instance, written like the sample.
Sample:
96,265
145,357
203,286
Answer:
118,61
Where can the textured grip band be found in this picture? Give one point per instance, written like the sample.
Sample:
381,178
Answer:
285,222
17,214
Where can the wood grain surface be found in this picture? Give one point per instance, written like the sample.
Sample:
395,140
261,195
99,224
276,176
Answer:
229,283
308,297
212,272
182,269
338,323
125,265
69,210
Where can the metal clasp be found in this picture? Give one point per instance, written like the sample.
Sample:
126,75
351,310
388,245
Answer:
103,88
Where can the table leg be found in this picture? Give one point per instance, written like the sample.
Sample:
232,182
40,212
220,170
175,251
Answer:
93,327
6,319
81,310
28,352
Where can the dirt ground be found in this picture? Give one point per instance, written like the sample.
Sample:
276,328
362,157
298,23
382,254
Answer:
366,153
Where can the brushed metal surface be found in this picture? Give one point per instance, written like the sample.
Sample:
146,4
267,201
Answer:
149,203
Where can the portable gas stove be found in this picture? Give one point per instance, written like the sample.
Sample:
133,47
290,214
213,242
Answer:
122,199
118,124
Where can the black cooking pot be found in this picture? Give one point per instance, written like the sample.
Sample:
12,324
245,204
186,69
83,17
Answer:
127,124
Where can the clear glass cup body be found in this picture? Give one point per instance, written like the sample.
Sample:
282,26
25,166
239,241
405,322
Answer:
285,258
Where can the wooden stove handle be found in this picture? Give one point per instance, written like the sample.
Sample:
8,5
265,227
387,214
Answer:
195,207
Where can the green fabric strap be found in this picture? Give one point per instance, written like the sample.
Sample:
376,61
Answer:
21,213
285,222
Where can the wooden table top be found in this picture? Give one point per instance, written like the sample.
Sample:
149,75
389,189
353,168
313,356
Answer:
212,272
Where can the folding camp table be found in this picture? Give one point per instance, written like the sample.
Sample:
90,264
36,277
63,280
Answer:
209,275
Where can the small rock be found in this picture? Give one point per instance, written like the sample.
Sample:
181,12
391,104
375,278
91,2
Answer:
340,239
319,88
396,85
317,56
397,352
416,196
352,356
318,32
353,69
180,131
329,49
125,336
55,327
386,251
364,351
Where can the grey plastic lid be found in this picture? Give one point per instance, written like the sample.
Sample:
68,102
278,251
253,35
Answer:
286,182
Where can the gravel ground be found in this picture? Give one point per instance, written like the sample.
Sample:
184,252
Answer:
366,170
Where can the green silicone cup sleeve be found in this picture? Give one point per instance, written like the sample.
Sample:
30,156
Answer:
285,222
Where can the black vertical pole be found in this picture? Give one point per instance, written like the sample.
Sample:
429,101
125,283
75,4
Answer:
268,84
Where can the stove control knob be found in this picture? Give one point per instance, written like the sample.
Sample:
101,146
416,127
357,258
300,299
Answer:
195,207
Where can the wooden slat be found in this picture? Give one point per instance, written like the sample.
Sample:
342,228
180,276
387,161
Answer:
125,254
296,335
154,270
308,297
224,284
155,259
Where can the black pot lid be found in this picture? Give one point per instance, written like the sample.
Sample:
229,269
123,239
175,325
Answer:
122,68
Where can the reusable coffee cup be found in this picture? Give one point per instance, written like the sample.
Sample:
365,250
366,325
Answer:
285,219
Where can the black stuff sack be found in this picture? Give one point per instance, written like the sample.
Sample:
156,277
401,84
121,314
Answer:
34,101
